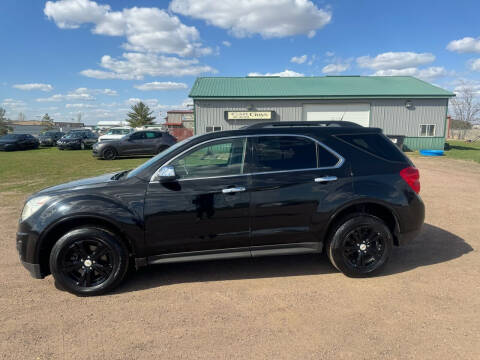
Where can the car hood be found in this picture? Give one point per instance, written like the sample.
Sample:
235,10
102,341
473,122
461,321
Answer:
79,184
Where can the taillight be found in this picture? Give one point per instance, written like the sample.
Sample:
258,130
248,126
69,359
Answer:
411,177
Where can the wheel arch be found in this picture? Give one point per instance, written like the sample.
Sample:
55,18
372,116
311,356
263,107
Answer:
367,206
55,231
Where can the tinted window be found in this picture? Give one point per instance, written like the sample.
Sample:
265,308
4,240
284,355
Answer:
276,153
137,136
216,158
375,144
325,157
152,135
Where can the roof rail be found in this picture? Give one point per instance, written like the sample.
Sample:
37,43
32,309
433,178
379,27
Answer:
274,124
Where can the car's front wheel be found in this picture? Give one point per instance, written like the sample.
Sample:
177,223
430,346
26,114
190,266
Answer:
88,261
360,245
109,153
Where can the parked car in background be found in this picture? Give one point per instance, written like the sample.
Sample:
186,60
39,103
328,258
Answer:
137,143
116,133
50,138
18,142
77,140
268,189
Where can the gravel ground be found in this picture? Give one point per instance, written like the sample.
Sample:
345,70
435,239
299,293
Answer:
425,304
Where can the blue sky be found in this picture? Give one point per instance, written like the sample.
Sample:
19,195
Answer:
98,57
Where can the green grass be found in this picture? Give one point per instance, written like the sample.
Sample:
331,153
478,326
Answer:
464,150
32,170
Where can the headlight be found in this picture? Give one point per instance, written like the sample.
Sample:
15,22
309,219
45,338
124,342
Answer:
32,206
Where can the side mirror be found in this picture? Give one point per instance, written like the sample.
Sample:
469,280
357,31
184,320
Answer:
164,174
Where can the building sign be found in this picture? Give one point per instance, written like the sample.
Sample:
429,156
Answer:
248,115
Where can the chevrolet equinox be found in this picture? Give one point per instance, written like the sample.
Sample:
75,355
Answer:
266,189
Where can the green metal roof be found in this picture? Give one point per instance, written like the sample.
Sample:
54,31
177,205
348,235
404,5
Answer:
315,87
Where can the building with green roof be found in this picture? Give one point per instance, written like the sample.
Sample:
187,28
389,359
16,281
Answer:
400,105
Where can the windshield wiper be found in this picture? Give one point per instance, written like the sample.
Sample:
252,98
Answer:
120,174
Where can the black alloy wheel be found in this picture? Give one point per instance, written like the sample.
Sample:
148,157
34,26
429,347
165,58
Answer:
109,153
360,245
88,261
363,247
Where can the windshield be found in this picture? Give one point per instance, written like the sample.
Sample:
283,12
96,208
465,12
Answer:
10,137
153,160
49,133
118,132
74,135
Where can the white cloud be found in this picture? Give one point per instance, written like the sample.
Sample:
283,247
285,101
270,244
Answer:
427,74
475,65
299,59
226,43
145,29
395,60
109,92
269,18
285,73
79,106
134,66
83,94
13,104
165,85
335,68
34,86
465,45
329,53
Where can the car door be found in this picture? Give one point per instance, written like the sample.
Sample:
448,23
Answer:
134,144
207,207
294,179
151,139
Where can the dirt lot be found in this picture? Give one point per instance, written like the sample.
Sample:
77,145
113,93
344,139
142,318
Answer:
425,305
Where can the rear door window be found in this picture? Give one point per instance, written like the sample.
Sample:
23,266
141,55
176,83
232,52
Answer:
281,153
375,144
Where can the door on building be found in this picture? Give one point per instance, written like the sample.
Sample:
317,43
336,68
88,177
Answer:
356,113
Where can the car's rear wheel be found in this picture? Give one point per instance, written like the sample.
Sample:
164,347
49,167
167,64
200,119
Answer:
109,153
360,245
88,261
161,148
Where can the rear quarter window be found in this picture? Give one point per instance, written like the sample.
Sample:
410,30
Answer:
375,144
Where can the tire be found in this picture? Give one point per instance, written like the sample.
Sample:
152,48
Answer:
161,148
82,146
88,261
109,153
360,245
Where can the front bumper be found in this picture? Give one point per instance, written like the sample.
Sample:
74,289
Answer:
47,142
25,249
71,146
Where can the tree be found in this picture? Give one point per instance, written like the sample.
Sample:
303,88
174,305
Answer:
465,105
4,128
140,115
47,122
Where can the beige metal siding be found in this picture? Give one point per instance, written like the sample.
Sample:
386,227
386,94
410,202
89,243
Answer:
389,114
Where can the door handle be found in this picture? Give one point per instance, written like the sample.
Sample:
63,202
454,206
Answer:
233,190
325,179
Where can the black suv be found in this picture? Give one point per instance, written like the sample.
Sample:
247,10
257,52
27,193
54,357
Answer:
77,140
50,138
275,188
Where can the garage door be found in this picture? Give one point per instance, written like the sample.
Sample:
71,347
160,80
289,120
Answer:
357,113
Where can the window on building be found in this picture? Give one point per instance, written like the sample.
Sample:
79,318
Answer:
210,129
427,130
278,153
